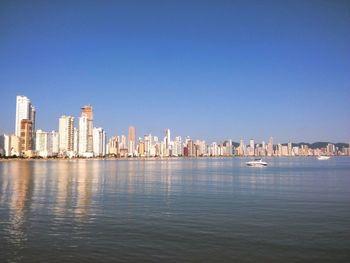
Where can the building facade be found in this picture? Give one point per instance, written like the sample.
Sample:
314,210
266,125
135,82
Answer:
66,134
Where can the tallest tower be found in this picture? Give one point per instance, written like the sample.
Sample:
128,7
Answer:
86,130
132,140
24,111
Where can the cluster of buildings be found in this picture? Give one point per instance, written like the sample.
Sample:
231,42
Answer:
85,140
153,146
288,149
77,137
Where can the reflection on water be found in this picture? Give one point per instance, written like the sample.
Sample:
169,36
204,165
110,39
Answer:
180,209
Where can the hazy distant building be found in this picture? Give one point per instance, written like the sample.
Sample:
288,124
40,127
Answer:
190,148
54,143
270,147
141,149
330,149
241,150
132,140
251,147
113,146
132,134
167,141
284,150
123,147
178,149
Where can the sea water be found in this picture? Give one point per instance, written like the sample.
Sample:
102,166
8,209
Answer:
175,210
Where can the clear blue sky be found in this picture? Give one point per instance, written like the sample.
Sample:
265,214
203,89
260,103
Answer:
208,69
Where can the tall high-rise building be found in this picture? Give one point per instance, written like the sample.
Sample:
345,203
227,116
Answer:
66,134
132,134
270,147
167,141
83,135
113,146
24,110
32,118
5,145
190,148
290,148
123,142
251,147
178,146
241,151
42,143
132,140
26,135
54,143
15,145
76,141
167,138
251,143
86,111
99,139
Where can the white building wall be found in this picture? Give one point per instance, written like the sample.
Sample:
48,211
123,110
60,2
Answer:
83,135
42,143
76,141
99,142
54,142
5,145
66,133
23,108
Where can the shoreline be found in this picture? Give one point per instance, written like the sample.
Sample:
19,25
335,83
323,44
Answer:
156,158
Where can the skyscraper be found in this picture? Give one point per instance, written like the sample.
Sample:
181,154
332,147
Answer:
167,138
167,142
99,139
76,141
54,143
66,134
24,110
86,111
15,145
251,147
5,145
26,136
131,140
83,135
42,143
132,134
270,147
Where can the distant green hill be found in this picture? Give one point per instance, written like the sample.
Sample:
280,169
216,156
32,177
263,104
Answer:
235,144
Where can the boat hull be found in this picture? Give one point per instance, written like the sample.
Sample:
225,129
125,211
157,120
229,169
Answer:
256,164
323,158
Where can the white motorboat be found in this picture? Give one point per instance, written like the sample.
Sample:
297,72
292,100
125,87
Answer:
257,163
323,157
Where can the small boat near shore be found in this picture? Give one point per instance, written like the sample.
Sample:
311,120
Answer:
323,157
256,163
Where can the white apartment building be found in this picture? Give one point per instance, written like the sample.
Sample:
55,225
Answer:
66,134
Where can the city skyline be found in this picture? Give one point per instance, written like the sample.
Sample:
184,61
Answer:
227,69
82,140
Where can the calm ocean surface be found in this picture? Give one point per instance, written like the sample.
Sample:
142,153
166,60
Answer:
203,210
